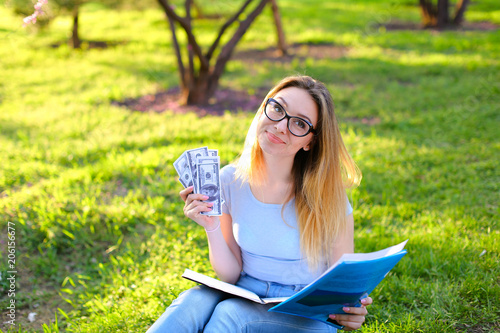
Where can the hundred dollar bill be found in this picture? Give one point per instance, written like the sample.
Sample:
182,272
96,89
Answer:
209,183
192,156
181,165
208,159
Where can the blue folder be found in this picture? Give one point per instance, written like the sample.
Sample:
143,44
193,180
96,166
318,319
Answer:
345,284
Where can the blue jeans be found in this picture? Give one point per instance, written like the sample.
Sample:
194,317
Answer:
203,309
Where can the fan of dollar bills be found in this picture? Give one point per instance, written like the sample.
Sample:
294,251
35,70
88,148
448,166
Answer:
200,168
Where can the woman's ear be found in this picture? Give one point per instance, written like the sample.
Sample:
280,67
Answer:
310,144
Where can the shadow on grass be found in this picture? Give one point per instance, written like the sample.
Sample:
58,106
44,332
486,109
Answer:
90,44
395,25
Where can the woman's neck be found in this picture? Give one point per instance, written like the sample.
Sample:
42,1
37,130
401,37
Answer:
278,170
277,181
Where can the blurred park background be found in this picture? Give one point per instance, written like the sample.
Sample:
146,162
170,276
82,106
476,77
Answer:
89,131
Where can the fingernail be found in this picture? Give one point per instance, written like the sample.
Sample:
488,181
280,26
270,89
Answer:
332,316
205,197
363,301
346,309
210,204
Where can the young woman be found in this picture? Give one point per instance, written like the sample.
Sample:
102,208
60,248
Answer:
286,217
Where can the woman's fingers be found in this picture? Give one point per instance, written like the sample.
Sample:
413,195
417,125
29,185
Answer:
185,192
192,197
367,301
195,197
195,205
354,311
193,208
194,200
350,325
198,206
189,197
350,322
354,317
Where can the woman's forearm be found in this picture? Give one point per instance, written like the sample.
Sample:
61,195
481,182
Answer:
224,262
225,258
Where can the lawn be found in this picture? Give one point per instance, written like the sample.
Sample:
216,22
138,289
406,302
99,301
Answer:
90,191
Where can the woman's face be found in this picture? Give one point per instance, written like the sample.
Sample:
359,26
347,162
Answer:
274,136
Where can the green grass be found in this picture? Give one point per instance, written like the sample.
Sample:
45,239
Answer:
101,240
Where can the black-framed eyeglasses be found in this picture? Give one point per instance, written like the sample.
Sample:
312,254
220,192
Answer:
296,125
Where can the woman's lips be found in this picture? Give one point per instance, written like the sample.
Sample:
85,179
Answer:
274,139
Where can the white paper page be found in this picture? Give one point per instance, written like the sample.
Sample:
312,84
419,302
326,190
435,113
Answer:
373,255
221,285
274,299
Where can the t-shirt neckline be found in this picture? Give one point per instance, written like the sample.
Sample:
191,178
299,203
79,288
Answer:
263,204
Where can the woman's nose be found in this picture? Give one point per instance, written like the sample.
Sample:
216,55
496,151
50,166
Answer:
282,125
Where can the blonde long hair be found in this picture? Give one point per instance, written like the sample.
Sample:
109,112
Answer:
320,175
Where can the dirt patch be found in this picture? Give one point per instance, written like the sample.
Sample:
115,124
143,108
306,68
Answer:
480,328
466,26
226,99
300,51
40,299
370,121
89,44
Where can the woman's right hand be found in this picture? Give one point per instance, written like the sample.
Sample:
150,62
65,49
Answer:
194,205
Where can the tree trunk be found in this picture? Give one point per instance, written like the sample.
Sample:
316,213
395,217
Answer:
199,91
439,16
442,14
207,82
459,12
428,13
75,38
279,28
199,84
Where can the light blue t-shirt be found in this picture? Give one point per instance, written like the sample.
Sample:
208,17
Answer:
270,246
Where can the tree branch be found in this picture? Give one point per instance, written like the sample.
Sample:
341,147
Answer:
280,34
187,5
459,11
224,28
185,25
182,71
226,51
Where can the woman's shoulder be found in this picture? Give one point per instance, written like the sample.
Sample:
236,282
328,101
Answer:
229,169
228,173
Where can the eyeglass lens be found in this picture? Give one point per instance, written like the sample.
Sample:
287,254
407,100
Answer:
296,125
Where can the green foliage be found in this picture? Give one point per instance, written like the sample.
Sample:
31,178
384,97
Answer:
101,239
